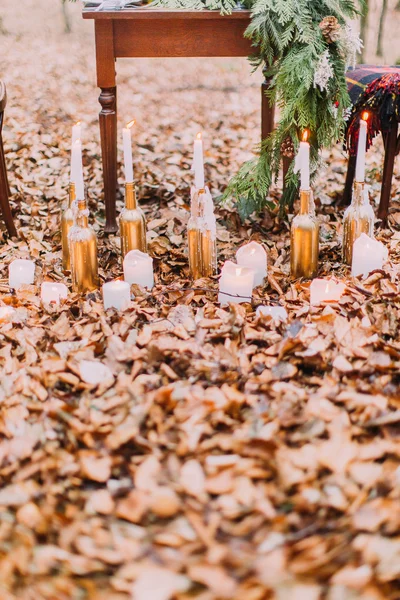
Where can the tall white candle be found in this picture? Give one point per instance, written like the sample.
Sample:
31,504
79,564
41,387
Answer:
138,268
77,170
198,162
302,163
52,293
362,148
236,284
116,294
76,132
368,255
253,255
127,139
21,271
325,290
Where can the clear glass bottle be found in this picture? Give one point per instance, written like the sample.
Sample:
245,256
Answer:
304,239
83,251
358,218
132,223
67,221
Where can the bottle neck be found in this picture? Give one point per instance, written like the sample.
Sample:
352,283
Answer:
82,214
130,196
358,194
305,198
71,194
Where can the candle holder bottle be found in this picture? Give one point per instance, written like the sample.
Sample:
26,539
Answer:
194,237
83,251
67,221
358,218
132,223
304,239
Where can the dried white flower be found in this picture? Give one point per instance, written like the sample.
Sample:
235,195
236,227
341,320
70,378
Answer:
350,45
323,72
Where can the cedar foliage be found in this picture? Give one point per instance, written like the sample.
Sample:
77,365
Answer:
289,44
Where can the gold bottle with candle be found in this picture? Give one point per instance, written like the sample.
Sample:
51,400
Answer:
194,237
67,221
208,237
83,252
304,240
132,223
358,218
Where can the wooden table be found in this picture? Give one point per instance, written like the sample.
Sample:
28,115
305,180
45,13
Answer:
153,33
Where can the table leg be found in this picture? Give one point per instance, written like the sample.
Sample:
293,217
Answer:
348,187
108,134
388,167
267,110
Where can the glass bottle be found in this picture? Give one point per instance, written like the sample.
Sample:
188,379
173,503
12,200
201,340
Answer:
132,223
67,221
304,239
83,251
358,218
194,236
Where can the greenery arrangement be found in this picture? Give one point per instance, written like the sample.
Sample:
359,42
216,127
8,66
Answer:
306,47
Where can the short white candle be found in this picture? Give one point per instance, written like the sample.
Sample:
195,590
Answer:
52,293
198,162
302,163
236,284
325,290
253,255
138,268
127,139
77,170
76,132
362,148
278,313
21,271
368,255
116,294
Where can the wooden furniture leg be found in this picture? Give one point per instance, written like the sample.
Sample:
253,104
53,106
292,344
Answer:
348,187
108,135
267,111
5,190
388,167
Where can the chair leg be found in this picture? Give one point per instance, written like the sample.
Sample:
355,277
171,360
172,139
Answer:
4,201
388,167
348,187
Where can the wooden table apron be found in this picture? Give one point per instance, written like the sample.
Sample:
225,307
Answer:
150,33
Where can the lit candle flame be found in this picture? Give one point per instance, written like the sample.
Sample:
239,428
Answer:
305,135
131,124
365,116
199,136
78,123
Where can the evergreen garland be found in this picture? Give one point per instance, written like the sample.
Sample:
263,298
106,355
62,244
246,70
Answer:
306,47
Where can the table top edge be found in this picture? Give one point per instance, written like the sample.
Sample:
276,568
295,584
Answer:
153,13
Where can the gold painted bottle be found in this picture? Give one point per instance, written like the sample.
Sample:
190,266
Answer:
194,237
358,218
202,235
83,252
67,221
304,240
132,223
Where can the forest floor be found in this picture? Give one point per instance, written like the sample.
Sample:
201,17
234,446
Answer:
224,456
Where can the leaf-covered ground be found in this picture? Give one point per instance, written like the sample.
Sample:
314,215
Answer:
222,457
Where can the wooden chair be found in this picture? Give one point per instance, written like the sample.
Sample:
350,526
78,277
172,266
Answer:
4,186
375,90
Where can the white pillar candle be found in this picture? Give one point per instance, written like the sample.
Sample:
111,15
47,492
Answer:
278,313
253,255
302,163
77,170
76,132
138,268
116,294
21,271
362,148
325,290
127,139
198,162
368,255
236,284
52,293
